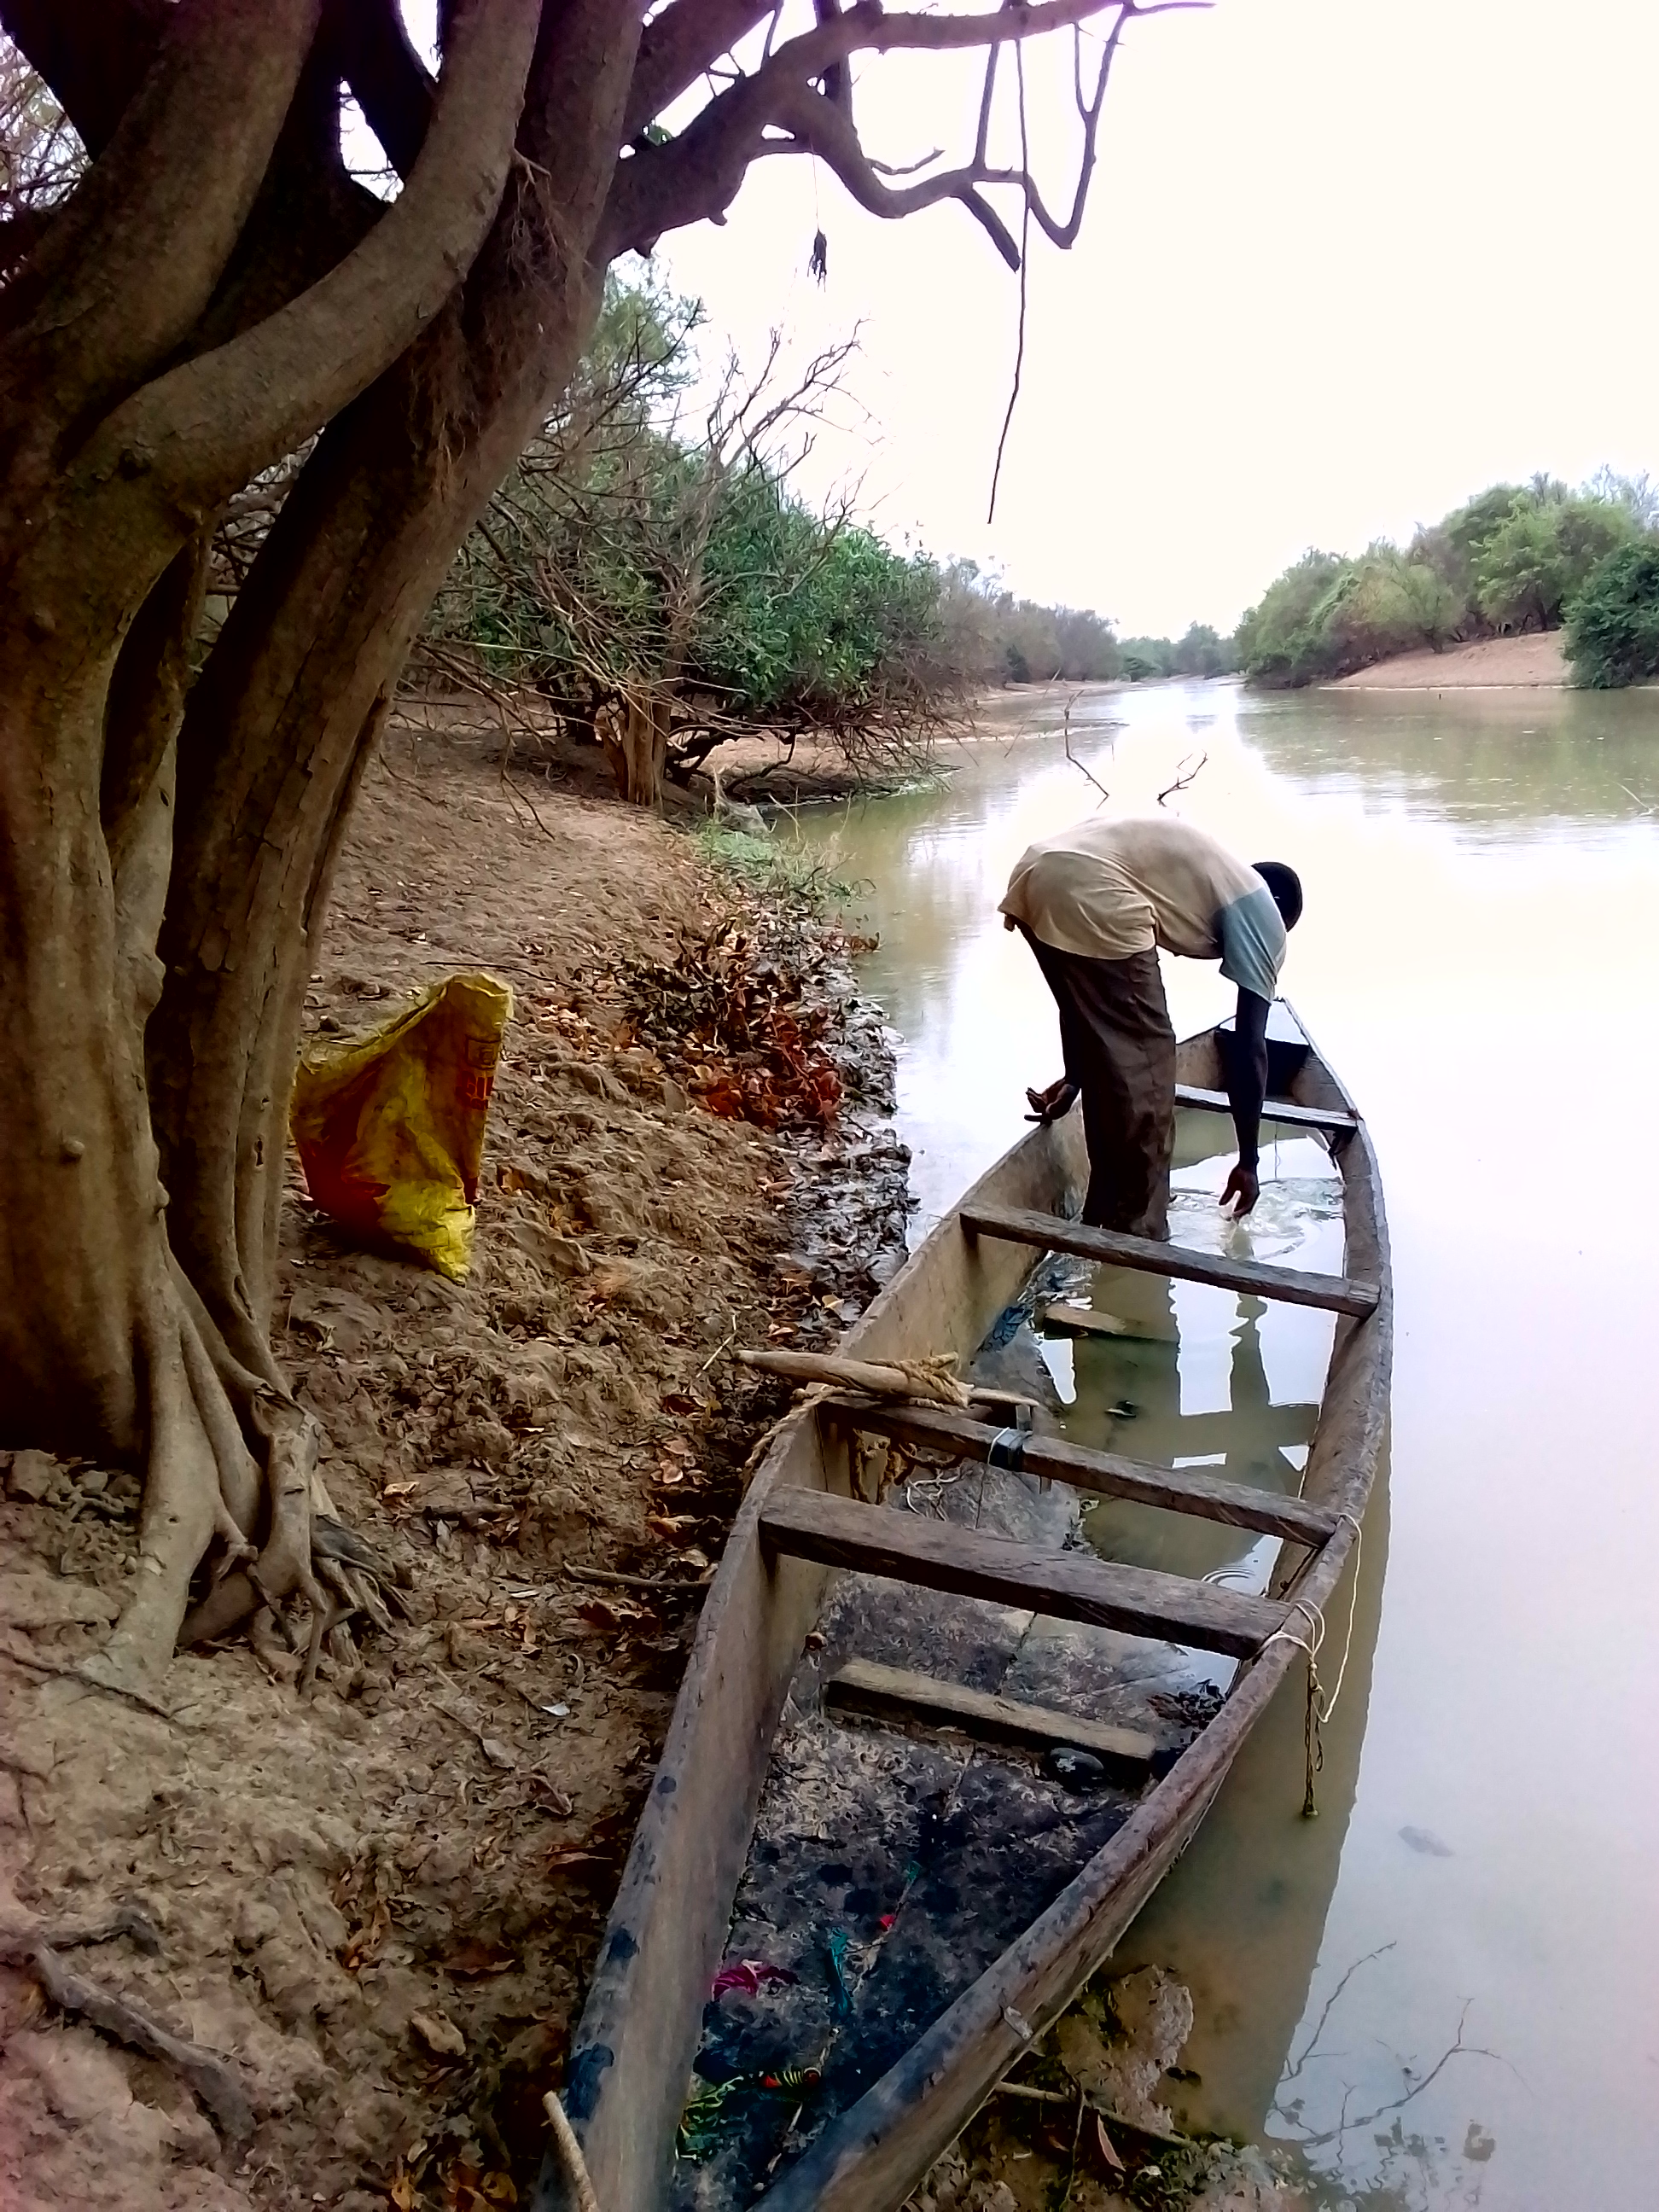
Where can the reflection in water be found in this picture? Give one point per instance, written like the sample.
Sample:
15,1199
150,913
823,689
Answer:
1478,959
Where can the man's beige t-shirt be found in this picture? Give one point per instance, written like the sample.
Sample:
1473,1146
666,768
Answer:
1108,889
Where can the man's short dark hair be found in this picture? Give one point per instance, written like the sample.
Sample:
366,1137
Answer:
1285,885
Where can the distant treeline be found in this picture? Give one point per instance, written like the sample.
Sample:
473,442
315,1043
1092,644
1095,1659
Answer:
1516,557
994,638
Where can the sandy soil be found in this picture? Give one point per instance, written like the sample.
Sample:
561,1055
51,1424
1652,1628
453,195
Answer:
381,1904
1533,663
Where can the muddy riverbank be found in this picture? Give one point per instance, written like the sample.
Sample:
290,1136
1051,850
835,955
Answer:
380,1903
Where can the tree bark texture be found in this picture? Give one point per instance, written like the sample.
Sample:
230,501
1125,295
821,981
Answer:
215,295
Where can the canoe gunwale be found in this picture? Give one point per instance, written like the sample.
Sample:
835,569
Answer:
639,2031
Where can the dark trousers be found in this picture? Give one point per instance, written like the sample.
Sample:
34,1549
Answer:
1121,1052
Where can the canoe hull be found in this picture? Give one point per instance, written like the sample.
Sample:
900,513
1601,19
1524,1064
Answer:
640,2031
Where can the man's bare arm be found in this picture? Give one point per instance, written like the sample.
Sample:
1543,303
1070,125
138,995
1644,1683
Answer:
1247,1087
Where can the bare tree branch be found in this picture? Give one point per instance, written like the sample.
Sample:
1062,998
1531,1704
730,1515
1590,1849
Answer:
678,46
96,308
1024,283
205,428
1184,775
1082,767
695,176
93,53
388,79
1456,2049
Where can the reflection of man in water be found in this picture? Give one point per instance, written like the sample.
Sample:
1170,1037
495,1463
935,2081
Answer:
1094,903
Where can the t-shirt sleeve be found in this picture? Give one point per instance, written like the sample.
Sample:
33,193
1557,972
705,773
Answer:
1252,933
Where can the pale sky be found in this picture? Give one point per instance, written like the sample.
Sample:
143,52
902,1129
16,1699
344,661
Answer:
1343,266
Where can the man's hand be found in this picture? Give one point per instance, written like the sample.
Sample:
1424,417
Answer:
1054,1103
1242,1184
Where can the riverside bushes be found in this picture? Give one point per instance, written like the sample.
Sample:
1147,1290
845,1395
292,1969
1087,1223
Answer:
1515,557
649,569
1613,626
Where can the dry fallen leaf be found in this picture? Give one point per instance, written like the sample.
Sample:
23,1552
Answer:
440,2036
1104,2141
363,1948
550,1798
670,1524
472,1956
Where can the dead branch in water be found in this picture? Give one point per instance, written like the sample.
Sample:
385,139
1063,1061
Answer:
1456,2049
1083,767
1184,775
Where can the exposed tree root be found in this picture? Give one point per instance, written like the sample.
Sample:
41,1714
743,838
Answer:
213,2079
232,1454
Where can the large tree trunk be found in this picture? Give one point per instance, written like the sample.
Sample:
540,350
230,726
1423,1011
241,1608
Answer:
141,1158
635,737
213,294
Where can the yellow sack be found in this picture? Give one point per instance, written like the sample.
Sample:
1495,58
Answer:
390,1126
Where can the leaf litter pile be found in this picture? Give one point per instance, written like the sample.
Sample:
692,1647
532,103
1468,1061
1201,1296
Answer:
737,1030
377,1906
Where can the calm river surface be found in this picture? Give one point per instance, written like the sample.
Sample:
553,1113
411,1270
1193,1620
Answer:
1479,960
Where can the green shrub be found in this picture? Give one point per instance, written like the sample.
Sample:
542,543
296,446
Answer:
1613,626
1541,555
1282,641
1514,558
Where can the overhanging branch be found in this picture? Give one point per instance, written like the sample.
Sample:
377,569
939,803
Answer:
200,432
678,46
695,176
371,48
93,53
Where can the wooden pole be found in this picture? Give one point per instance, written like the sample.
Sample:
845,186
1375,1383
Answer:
931,1383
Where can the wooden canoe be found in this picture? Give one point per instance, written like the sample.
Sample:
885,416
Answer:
800,1530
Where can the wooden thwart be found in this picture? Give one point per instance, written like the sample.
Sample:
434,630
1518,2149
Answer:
898,1694
838,1532
1335,1293
1193,1490
1273,1109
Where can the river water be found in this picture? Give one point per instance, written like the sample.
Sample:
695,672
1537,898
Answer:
1445,1988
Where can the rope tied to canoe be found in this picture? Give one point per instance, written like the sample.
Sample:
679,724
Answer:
1319,1706
934,1379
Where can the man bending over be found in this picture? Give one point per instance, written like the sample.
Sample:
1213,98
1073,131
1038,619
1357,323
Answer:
1094,903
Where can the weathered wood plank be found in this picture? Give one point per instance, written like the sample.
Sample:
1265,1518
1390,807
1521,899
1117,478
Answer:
898,1694
1195,1490
838,1532
1273,1109
1334,1293
879,1377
